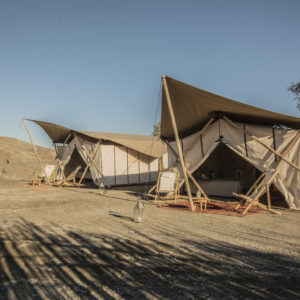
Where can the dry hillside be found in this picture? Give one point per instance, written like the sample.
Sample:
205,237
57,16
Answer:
18,160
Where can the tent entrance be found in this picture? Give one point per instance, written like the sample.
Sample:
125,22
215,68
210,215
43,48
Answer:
225,172
75,161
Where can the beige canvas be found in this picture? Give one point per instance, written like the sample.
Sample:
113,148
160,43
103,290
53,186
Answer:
232,135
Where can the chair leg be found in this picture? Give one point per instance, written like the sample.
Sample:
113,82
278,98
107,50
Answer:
268,197
155,199
242,202
248,207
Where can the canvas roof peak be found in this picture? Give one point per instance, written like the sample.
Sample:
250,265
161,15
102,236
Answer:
193,107
149,145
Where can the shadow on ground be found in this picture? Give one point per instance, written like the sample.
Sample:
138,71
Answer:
49,262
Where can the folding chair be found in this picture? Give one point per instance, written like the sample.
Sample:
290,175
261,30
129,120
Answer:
71,177
167,183
47,175
258,189
203,199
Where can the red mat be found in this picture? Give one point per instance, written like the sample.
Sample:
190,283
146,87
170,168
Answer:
221,208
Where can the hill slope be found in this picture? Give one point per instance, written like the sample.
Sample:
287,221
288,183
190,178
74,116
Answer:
18,160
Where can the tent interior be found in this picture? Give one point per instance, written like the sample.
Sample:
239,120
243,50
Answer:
224,172
75,161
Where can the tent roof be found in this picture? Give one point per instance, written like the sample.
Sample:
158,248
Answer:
148,145
193,107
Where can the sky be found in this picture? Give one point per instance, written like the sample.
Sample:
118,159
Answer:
97,65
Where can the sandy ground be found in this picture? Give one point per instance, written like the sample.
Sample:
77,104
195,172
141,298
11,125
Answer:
73,243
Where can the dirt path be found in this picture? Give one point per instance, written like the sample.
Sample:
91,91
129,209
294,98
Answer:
77,244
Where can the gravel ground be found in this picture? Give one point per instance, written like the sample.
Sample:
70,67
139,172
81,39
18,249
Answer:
75,243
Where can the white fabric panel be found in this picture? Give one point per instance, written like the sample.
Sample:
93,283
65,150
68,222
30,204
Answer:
108,165
172,157
191,147
288,180
189,141
48,170
194,158
234,136
133,166
96,175
121,165
144,168
210,136
258,152
167,181
165,161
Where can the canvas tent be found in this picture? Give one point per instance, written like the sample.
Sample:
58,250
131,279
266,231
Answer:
110,158
209,125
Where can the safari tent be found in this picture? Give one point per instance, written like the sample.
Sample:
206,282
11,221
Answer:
108,158
225,144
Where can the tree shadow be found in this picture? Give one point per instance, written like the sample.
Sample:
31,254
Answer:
53,263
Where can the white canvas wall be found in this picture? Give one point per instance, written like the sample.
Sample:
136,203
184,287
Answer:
116,164
121,162
233,136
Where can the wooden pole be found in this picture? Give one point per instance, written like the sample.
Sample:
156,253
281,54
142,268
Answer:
188,188
33,145
92,160
196,183
67,139
278,154
200,133
89,162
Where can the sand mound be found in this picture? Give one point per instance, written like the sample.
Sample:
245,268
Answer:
18,160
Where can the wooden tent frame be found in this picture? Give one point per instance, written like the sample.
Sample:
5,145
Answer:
256,191
179,148
34,147
70,177
90,161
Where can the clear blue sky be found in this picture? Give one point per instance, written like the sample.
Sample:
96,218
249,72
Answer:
97,65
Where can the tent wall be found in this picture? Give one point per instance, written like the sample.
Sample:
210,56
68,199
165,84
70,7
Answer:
119,165
235,136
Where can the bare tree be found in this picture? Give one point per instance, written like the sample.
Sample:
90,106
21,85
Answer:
295,89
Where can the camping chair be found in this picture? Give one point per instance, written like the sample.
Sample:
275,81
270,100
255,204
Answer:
167,183
71,177
47,174
258,189
202,199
